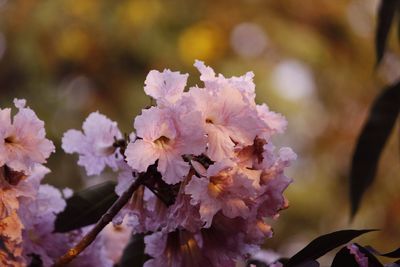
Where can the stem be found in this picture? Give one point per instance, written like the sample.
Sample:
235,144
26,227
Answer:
104,220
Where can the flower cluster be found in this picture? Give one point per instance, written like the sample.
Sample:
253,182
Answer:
23,150
212,174
205,172
28,208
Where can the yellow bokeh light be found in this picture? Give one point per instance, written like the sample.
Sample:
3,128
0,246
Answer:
201,41
86,10
139,13
73,43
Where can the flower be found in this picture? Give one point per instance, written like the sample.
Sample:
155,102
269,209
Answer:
22,141
212,148
225,188
166,87
95,144
226,118
11,195
38,218
165,135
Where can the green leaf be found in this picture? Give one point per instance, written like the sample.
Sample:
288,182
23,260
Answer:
386,12
86,207
371,142
133,255
323,244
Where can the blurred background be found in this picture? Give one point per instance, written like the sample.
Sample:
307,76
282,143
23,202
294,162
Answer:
313,62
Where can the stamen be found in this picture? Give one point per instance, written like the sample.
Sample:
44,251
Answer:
10,140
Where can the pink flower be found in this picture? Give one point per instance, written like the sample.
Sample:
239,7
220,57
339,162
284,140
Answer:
144,212
95,144
225,188
15,186
244,84
165,135
116,237
220,245
166,87
179,248
38,217
227,119
22,141
275,122
182,214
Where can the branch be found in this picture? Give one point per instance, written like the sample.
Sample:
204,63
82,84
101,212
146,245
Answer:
104,220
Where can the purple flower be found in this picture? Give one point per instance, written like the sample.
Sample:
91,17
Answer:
95,144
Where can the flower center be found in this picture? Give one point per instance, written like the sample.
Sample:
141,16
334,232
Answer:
217,185
10,176
162,141
104,150
33,236
208,120
10,140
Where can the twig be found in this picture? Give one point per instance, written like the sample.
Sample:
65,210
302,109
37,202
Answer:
104,220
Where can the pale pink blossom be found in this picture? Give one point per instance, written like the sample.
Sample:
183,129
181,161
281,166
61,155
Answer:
15,186
225,188
144,211
243,84
182,214
227,120
22,140
38,218
275,122
116,237
95,144
166,87
165,135
179,248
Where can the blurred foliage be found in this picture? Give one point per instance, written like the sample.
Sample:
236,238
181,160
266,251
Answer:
313,61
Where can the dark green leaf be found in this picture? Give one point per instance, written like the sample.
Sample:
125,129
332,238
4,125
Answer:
371,142
133,255
344,258
392,254
386,12
86,207
323,244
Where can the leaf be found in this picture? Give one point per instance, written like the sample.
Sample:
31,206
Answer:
323,244
344,258
133,255
86,207
386,13
371,142
393,254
